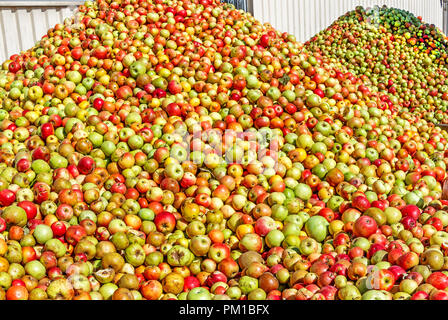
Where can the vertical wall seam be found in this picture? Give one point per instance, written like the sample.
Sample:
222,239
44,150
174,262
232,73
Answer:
4,46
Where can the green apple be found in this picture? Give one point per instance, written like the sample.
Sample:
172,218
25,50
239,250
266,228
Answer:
292,229
274,238
199,293
35,93
361,242
74,76
179,256
35,269
335,202
383,265
443,216
349,292
377,295
135,255
439,238
308,246
56,246
408,286
393,215
378,256
303,191
15,215
317,228
42,233
247,284
57,161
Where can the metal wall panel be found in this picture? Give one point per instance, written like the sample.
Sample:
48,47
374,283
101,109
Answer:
305,18
23,23
239,4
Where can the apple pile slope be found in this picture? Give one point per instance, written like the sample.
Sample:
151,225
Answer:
395,53
180,149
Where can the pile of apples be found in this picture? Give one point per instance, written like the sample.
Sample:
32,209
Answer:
395,53
179,149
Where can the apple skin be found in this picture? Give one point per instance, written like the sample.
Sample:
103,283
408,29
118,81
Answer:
374,248
188,180
329,292
251,242
41,192
415,276
199,293
361,203
349,292
397,271
218,252
439,238
7,198
200,245
216,276
229,267
274,238
30,209
264,225
365,226
420,295
179,256
155,194
191,282
438,295
308,246
438,280
74,234
14,215
47,130
411,210
381,280
151,290
376,295
36,269
165,222
86,165
248,284
408,286
174,171
317,228
408,260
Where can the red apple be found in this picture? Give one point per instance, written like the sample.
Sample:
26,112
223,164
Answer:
30,209
361,203
86,165
397,271
7,197
438,280
165,222
191,282
411,211
364,226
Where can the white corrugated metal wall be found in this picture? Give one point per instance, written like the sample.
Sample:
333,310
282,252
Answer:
22,23
305,18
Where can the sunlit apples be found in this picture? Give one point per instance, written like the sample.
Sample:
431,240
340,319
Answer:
179,149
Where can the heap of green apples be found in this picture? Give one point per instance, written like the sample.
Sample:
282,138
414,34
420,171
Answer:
179,149
395,53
